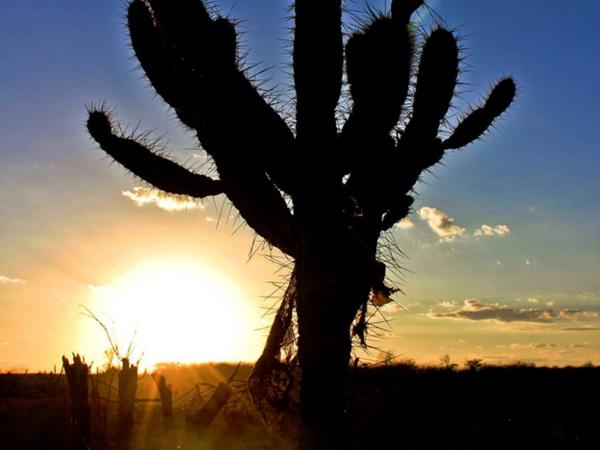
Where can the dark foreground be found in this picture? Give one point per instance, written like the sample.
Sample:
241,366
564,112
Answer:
393,407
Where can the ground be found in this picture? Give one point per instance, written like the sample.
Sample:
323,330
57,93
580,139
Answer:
393,406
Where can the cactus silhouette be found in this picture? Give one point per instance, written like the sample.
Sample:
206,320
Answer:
347,183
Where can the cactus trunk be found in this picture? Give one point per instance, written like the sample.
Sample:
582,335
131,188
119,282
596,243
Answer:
331,284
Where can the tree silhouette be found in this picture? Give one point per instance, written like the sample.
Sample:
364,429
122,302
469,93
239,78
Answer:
347,184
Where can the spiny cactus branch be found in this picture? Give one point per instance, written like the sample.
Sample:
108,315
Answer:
200,79
478,121
257,201
161,172
438,72
378,64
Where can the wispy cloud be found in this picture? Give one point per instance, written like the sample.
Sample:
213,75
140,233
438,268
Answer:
581,329
489,230
405,224
441,224
169,202
474,309
7,280
533,345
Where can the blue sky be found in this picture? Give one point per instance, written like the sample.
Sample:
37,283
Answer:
537,174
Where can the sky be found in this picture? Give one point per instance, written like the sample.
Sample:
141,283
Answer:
502,249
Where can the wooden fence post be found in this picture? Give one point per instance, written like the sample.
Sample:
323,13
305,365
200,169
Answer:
127,389
77,379
166,394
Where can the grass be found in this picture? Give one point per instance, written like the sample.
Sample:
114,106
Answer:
393,406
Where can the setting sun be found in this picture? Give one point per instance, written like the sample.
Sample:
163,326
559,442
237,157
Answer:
175,310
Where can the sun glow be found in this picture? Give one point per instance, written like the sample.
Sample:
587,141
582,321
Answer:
178,310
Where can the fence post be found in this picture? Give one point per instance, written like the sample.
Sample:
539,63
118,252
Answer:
127,390
77,379
166,394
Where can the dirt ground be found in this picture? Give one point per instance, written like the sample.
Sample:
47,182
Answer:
395,407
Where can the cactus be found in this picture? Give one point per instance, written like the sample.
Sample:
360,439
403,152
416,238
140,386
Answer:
348,184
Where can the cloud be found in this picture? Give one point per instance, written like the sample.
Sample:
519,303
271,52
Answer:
7,280
575,314
489,230
169,202
474,309
441,224
448,305
5,344
405,224
581,329
534,345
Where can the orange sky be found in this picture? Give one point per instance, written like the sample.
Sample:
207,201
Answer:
502,249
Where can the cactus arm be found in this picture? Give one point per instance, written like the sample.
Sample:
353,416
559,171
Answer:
258,202
479,120
204,85
160,172
318,64
436,81
378,64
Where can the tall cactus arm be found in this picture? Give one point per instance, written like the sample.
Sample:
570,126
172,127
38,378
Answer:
378,64
318,65
160,172
190,60
436,81
258,202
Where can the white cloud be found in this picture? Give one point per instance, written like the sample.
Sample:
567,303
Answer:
7,280
405,224
441,224
169,202
489,230
447,305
